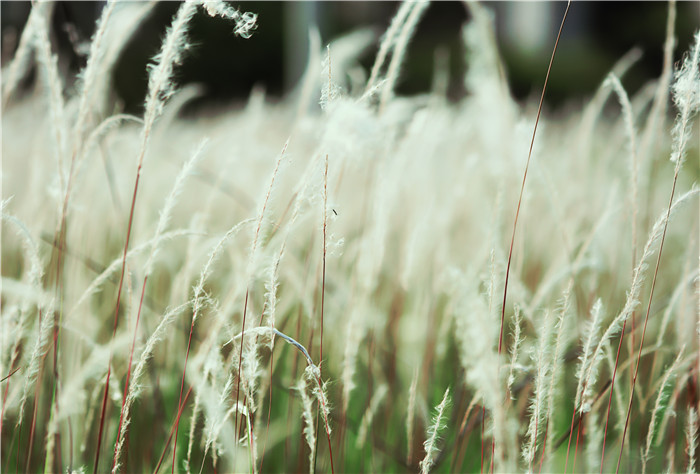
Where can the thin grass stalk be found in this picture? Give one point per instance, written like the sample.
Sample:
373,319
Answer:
522,189
325,249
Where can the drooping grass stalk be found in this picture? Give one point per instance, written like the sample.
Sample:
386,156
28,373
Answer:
614,82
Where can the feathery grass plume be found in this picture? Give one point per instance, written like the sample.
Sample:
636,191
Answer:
632,300
410,416
108,272
594,440
125,19
21,62
685,283
251,371
614,82
53,85
417,9
691,436
199,300
88,78
517,341
485,76
39,349
355,331
309,425
367,418
313,373
245,22
33,278
215,408
686,97
388,41
657,115
477,336
560,343
543,367
661,405
166,213
587,372
433,434
593,110
252,262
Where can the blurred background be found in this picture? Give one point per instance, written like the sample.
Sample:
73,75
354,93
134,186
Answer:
596,35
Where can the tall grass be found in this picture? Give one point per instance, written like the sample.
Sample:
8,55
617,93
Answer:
179,294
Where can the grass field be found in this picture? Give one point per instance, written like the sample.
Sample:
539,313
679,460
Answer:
319,283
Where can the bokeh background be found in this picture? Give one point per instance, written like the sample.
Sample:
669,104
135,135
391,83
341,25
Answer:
596,35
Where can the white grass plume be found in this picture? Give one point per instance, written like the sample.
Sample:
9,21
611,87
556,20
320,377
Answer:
614,82
309,425
543,367
691,435
388,41
686,97
367,418
417,10
662,400
53,85
116,264
89,78
433,434
587,370
21,62
514,350
410,416
245,22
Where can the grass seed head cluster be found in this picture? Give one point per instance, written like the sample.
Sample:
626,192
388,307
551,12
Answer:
317,283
